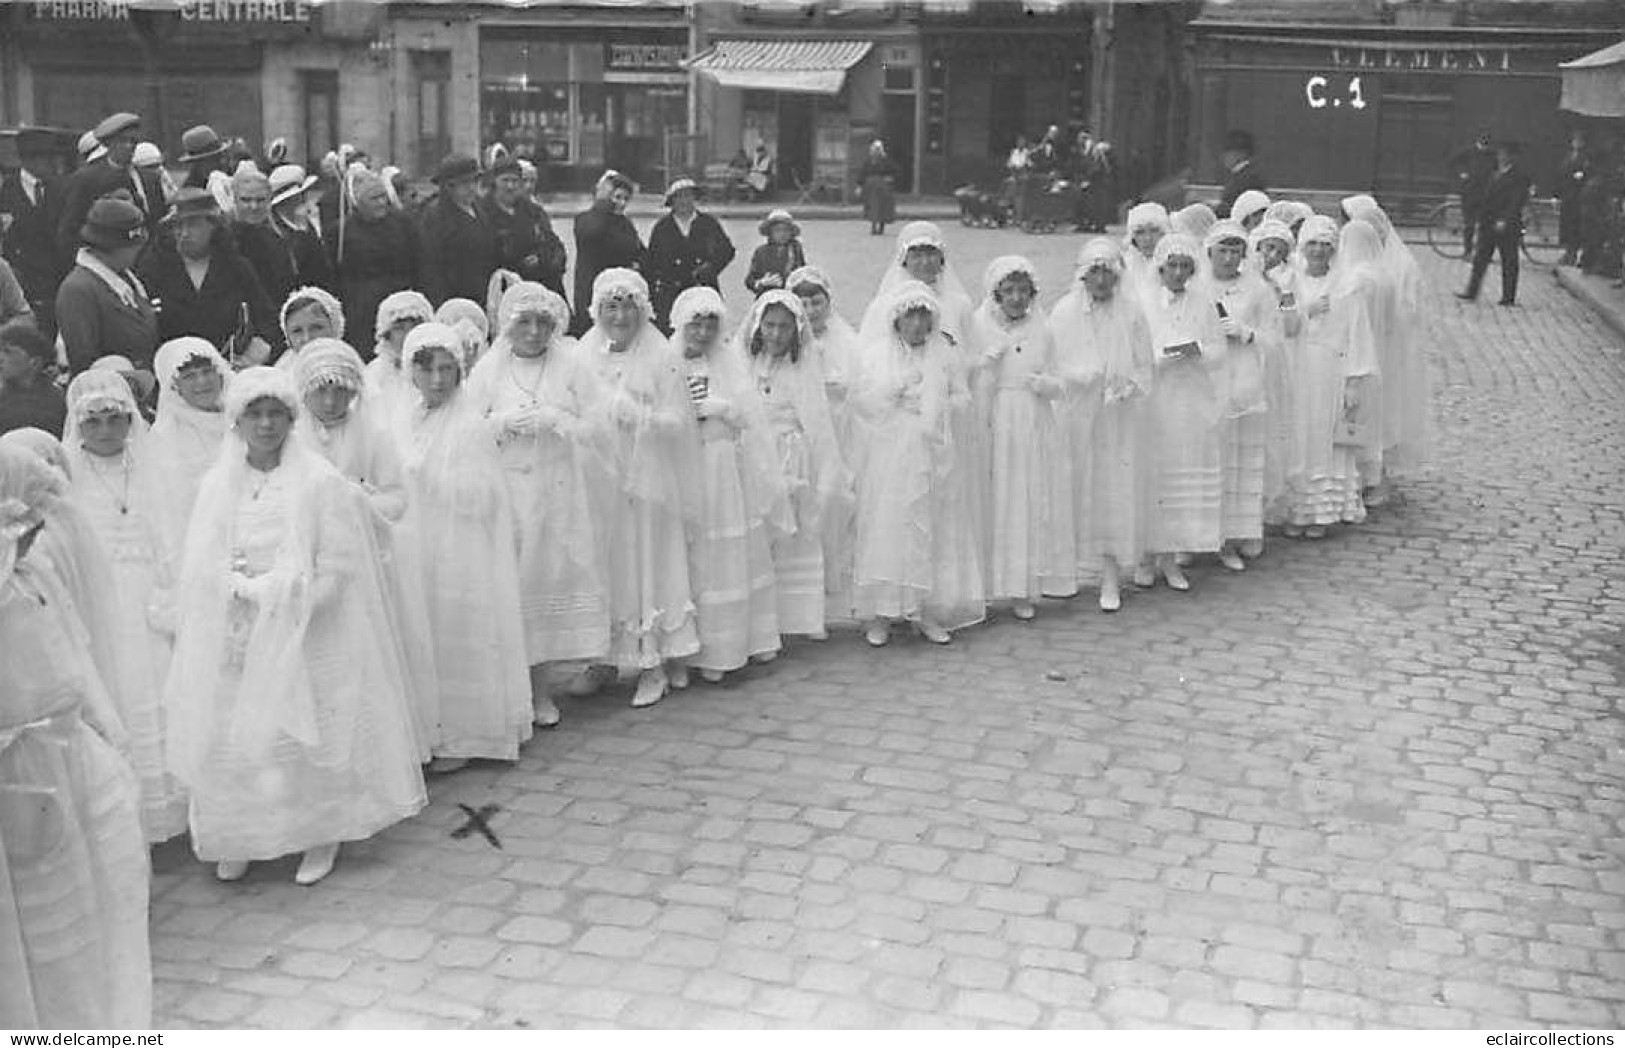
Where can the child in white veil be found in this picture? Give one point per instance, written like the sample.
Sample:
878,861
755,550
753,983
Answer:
287,707
743,500
110,450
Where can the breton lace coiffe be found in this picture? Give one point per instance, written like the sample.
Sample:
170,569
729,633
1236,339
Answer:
303,297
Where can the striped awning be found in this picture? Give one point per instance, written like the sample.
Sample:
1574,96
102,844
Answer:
808,67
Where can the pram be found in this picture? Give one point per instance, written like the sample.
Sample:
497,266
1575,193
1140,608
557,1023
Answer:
1047,204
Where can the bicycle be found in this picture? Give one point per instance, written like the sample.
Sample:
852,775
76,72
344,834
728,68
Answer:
1542,246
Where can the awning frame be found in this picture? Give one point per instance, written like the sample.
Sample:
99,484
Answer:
809,67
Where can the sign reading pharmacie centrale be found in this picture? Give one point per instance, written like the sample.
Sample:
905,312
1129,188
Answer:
279,11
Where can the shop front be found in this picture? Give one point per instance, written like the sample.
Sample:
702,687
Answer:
199,62
1380,108
578,100
813,104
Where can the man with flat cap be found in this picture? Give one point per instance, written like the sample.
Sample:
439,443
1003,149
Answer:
119,134
457,251
1240,173
32,197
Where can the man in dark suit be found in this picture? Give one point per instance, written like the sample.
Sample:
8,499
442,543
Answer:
1473,168
119,133
1241,174
32,198
1500,225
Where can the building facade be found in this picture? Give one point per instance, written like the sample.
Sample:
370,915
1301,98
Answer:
1365,95
310,73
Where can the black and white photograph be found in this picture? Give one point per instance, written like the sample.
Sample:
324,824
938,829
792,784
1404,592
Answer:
804,515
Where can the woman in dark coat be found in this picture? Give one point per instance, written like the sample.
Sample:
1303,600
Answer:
879,177
605,239
687,248
203,287
375,255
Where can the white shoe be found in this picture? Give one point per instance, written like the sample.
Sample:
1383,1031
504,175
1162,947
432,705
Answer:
1111,597
711,676
1252,549
1175,576
231,870
678,675
1183,559
1145,576
651,688
764,658
1021,609
1292,531
932,632
1315,531
878,633
545,713
1232,560
317,863
447,765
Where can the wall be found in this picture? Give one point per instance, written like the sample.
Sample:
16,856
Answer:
459,35
366,108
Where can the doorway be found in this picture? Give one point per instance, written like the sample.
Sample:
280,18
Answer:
795,159
1414,142
897,131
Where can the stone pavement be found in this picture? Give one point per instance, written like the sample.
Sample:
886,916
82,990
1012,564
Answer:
1375,781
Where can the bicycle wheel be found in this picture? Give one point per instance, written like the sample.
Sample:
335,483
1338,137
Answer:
1542,239
1447,230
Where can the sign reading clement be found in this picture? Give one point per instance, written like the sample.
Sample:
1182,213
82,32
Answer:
1440,59
287,11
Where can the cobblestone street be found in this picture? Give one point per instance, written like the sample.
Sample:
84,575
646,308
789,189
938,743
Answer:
1377,780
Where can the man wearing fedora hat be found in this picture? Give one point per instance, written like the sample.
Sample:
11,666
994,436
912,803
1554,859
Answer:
526,243
457,251
32,198
605,239
119,133
104,308
687,248
291,220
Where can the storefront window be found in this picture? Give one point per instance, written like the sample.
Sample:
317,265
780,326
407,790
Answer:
532,121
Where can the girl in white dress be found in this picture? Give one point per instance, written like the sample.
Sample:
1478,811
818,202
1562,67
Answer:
389,376
915,554
1104,357
650,495
1189,399
1406,386
189,428
1147,225
1337,356
287,709
107,444
835,349
309,313
73,868
742,495
1247,308
460,528
337,422
1031,540
532,387
1271,254
775,338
